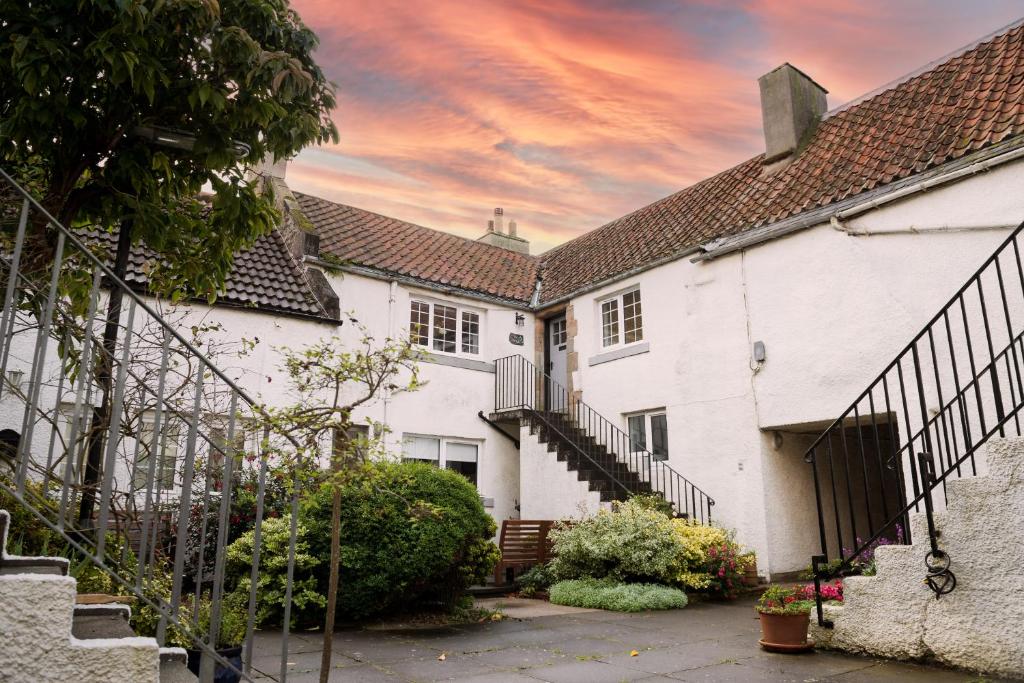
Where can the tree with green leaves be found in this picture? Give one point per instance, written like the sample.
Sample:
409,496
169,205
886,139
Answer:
330,380
118,113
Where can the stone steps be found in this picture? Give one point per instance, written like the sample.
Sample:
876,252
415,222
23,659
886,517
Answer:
980,624
47,637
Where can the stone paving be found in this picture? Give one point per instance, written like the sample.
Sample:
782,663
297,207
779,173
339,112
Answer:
704,642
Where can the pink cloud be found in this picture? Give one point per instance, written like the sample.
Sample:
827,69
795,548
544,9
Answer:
571,113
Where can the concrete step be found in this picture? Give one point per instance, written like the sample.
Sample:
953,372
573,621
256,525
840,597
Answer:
90,622
174,666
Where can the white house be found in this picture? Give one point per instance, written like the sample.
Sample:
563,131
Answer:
720,328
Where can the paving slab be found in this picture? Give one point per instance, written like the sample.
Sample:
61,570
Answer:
521,608
703,642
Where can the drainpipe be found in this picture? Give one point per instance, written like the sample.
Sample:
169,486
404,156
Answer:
392,290
846,229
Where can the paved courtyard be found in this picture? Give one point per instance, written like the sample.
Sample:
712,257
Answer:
704,642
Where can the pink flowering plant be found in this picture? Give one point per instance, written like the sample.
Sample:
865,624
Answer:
830,592
726,569
785,601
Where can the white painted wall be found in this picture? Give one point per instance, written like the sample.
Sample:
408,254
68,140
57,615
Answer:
447,406
831,308
548,489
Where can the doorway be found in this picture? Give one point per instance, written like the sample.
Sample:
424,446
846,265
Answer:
557,365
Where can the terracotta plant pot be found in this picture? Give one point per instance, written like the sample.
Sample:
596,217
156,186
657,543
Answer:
785,632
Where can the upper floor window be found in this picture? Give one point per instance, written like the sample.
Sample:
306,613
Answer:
444,328
622,319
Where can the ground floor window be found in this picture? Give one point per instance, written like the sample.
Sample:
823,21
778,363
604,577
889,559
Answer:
459,455
649,431
165,446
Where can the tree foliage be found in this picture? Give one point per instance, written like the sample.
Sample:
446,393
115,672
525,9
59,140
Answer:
87,86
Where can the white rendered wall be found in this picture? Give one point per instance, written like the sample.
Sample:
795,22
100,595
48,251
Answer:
832,310
549,489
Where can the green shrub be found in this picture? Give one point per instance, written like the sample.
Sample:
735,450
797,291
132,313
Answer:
710,560
632,543
410,533
618,597
536,578
653,501
307,601
26,534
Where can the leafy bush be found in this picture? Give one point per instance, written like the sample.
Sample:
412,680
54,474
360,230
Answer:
307,600
710,560
26,534
632,543
653,501
618,597
410,533
535,579
781,600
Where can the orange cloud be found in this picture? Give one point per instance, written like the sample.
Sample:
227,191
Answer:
570,113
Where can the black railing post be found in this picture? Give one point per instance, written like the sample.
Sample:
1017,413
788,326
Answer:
940,579
816,563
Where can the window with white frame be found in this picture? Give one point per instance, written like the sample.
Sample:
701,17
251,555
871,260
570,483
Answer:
459,455
165,446
444,328
621,319
649,432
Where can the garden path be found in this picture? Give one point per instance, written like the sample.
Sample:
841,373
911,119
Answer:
704,642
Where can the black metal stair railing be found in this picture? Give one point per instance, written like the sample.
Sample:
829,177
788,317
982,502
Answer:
958,383
170,444
521,386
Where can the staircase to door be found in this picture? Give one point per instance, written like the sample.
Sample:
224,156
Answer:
919,426
600,452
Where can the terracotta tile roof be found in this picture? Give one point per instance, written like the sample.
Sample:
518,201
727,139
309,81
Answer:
396,247
969,102
264,277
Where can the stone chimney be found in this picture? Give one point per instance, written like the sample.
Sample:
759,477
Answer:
791,108
496,236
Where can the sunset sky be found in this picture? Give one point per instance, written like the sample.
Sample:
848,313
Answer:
569,113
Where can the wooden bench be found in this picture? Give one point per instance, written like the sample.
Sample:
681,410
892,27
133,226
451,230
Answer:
523,543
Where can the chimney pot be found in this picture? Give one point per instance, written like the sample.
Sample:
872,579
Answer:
791,108
490,226
512,228
499,219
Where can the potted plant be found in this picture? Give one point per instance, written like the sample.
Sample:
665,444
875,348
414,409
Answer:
750,578
785,618
229,640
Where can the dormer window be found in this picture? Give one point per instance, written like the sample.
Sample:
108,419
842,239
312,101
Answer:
444,327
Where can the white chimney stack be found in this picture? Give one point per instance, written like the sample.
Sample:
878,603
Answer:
497,237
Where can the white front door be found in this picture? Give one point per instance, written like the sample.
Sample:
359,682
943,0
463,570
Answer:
557,343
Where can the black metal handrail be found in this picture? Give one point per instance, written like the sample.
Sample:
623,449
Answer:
520,385
958,383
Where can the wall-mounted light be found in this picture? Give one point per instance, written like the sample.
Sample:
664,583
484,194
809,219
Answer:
520,319
14,378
